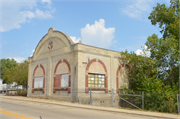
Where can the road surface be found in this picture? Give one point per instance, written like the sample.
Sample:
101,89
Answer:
14,109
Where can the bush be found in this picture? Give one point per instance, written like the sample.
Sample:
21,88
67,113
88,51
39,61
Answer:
153,101
21,92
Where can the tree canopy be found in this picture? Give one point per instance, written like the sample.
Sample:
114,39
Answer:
159,72
167,18
15,73
5,65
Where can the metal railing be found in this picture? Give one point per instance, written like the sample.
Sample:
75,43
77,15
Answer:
152,101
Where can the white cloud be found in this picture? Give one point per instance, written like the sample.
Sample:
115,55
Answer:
42,15
146,52
139,52
48,1
97,35
74,39
16,12
18,59
137,8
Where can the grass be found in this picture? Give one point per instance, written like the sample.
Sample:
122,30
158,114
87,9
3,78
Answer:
147,110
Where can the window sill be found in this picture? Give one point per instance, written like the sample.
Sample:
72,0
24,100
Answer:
61,87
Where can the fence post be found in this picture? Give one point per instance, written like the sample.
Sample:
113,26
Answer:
71,96
178,103
90,96
112,97
143,100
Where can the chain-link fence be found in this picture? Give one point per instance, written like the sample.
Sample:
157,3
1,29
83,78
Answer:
13,90
131,99
162,102
97,98
151,101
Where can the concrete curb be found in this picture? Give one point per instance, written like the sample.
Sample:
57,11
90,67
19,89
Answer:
109,109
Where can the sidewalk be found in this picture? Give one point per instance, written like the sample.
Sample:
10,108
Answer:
109,109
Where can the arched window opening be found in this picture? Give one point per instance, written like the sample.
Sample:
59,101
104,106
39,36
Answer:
96,77
62,79
38,83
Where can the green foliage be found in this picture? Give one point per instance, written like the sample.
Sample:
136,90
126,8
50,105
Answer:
166,54
153,101
159,72
5,65
21,92
166,49
21,76
162,102
143,72
157,75
18,74
167,18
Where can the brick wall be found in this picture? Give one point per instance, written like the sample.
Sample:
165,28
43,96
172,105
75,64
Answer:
62,68
97,68
38,72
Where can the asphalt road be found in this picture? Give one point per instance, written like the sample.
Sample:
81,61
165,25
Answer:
34,110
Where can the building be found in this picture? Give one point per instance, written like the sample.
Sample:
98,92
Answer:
9,86
2,86
59,65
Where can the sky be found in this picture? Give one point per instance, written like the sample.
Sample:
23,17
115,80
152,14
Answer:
111,24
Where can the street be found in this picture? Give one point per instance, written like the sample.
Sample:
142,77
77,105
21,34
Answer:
34,110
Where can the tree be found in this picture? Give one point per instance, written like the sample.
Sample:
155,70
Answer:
167,18
143,70
22,74
6,64
161,68
166,49
157,75
166,54
18,74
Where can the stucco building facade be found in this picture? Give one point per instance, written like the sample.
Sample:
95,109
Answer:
60,65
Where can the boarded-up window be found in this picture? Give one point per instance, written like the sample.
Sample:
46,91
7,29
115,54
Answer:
38,82
65,80
96,80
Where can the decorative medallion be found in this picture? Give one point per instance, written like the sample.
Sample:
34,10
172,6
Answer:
50,45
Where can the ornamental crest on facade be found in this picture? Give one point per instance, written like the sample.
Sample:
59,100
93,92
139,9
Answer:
50,45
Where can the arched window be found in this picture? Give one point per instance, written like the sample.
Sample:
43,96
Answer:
96,77
38,79
122,77
62,79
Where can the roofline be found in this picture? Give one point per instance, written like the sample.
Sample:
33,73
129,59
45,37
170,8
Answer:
98,47
65,35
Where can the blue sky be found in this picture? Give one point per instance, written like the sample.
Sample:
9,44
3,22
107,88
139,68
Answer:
115,25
